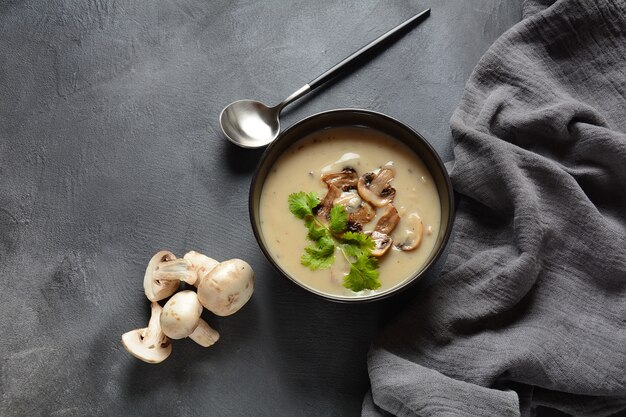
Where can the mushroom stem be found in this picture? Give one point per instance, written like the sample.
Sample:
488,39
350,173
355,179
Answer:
202,264
204,335
176,270
154,288
153,334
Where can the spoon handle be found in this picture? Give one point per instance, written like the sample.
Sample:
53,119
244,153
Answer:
351,60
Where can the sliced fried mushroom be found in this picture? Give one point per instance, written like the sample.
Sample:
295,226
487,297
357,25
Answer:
323,210
158,288
200,263
388,221
383,243
351,200
180,318
149,344
361,217
359,212
345,180
411,237
227,287
375,187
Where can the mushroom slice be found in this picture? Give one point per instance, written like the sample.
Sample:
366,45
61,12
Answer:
388,221
200,263
345,180
157,288
150,344
375,187
411,237
323,210
383,243
359,212
227,287
180,318
361,217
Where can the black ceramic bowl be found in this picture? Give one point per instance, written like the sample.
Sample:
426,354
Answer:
371,120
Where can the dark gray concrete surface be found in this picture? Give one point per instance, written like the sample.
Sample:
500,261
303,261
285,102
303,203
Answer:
110,150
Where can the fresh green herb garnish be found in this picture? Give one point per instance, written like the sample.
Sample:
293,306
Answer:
320,254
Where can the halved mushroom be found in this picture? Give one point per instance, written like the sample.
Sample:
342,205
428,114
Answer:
375,187
227,287
359,211
388,220
149,344
323,209
180,318
383,243
411,236
345,180
157,288
200,263
164,274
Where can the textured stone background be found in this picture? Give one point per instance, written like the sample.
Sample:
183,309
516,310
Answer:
110,150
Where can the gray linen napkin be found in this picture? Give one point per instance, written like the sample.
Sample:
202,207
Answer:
529,315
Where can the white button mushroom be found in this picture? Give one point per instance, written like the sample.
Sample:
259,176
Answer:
202,264
180,318
227,287
149,344
164,274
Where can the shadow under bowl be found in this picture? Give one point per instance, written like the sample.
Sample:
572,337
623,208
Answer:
370,120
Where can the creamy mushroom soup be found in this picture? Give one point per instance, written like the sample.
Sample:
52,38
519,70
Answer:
302,167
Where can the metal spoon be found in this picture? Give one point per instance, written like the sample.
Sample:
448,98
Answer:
252,124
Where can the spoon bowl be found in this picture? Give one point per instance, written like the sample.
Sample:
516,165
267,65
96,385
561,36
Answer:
250,123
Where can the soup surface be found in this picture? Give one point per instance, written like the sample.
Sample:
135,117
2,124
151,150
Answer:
300,169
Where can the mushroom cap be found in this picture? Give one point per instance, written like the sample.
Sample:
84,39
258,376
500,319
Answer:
181,314
157,289
227,287
133,342
148,344
202,264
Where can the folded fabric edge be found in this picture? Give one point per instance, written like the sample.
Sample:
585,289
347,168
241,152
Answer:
405,388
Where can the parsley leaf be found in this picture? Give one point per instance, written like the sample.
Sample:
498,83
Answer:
363,274
315,230
356,244
302,204
338,219
319,256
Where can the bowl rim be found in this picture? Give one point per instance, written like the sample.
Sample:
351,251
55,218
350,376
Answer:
408,282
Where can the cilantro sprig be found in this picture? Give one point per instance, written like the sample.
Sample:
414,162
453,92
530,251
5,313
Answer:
320,254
